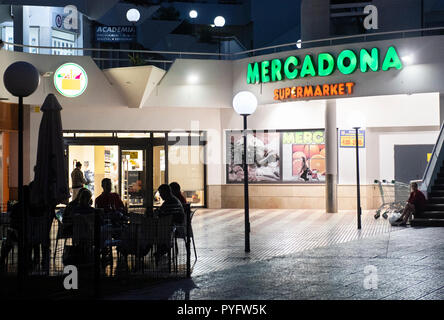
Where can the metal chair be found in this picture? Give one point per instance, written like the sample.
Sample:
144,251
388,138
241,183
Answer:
165,239
181,229
64,232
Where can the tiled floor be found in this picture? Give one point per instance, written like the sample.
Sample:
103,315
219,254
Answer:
406,264
219,234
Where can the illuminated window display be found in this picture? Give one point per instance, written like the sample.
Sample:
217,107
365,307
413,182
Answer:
277,157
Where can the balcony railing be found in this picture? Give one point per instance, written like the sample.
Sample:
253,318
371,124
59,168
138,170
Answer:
163,58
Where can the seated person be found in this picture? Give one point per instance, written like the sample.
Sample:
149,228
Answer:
171,205
415,205
67,213
111,203
84,204
175,189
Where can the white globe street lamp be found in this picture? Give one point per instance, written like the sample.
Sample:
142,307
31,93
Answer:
245,104
219,21
133,15
193,14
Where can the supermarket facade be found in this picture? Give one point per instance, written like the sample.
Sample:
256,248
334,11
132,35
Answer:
142,126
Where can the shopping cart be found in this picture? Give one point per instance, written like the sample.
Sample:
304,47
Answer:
394,196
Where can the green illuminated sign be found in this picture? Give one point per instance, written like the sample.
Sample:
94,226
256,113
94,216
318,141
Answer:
347,62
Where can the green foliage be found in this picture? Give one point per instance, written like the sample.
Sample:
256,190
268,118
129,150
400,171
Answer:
136,60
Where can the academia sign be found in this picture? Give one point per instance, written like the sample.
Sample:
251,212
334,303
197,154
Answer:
323,65
116,34
70,80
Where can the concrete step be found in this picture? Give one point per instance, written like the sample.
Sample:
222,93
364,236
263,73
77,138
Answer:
418,222
436,193
431,215
435,199
439,180
438,187
434,207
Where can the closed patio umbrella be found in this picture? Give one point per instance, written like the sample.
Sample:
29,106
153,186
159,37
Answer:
50,186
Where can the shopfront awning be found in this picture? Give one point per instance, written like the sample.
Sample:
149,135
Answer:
135,84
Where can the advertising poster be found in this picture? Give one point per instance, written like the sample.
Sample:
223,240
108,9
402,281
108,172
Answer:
303,156
263,157
348,138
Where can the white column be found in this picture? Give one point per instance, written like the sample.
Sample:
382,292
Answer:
331,154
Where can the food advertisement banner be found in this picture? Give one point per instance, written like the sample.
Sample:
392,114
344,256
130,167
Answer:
303,155
263,157
277,157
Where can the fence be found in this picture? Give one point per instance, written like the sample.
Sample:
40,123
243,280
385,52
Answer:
107,58
105,248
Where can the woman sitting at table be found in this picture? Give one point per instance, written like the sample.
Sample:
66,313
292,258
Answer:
175,189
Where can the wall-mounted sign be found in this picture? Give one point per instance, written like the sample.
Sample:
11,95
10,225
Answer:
326,90
116,34
348,138
70,80
65,21
323,65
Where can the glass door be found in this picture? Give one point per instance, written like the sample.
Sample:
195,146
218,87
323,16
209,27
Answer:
159,173
98,162
133,177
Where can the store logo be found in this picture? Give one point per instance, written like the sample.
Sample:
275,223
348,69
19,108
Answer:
70,80
346,63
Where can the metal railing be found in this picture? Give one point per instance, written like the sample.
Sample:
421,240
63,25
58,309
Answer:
434,165
237,55
104,247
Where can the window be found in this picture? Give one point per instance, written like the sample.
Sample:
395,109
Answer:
7,34
186,167
263,156
277,157
34,39
63,40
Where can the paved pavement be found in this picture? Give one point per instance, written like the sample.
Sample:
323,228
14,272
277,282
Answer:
302,254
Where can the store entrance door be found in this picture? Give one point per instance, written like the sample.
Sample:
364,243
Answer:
134,173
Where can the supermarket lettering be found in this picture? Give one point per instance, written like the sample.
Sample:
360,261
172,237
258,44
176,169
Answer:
324,65
325,90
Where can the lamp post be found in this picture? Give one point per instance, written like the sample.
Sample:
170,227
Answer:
357,178
133,16
21,79
245,104
219,22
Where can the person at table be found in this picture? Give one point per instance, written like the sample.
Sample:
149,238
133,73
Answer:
78,179
175,189
171,205
113,207
67,213
109,201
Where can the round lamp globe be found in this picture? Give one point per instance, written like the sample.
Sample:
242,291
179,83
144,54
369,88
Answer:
21,79
219,21
193,14
245,103
133,15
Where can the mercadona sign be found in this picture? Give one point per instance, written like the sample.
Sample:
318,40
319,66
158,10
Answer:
323,65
